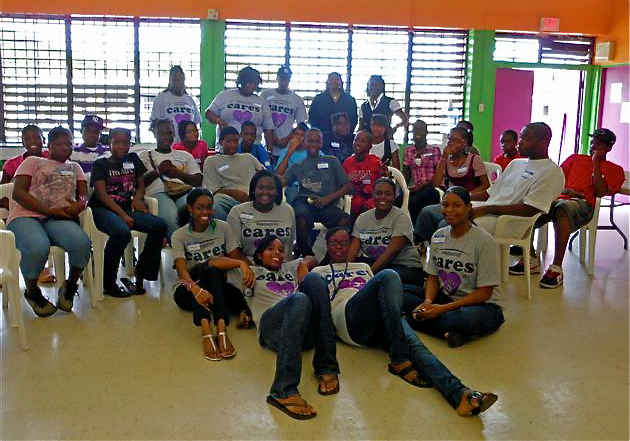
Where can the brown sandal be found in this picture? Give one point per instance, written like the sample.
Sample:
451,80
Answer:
214,347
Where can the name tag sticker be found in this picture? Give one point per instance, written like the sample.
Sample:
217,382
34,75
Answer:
66,172
321,165
366,181
193,247
527,174
462,170
223,167
334,145
128,166
426,155
267,164
439,239
247,216
418,161
364,236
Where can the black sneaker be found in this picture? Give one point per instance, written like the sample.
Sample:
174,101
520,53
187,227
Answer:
116,291
40,304
455,339
516,250
519,267
65,299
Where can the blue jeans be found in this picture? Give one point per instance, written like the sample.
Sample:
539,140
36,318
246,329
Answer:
428,222
168,210
119,234
471,321
374,318
34,237
296,323
222,205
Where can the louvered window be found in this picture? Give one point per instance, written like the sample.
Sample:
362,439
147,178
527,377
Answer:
548,49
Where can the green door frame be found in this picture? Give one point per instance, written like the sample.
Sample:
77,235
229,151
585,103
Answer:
481,85
212,67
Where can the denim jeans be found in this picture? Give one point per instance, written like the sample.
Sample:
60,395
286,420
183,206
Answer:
119,236
373,318
168,210
298,322
222,205
34,237
471,321
426,196
428,222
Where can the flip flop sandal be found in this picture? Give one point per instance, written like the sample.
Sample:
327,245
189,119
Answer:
285,408
131,287
484,401
330,392
418,381
223,335
214,348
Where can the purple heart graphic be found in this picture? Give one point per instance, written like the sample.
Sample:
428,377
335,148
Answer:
182,117
450,281
242,115
357,283
375,252
278,118
285,288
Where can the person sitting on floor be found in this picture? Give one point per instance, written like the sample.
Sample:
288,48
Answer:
363,169
118,207
90,149
203,251
508,142
292,313
322,183
367,311
526,187
587,177
462,297
227,175
49,194
171,175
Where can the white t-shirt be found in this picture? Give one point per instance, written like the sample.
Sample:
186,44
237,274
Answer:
182,160
379,149
249,226
175,108
235,109
287,109
534,182
346,279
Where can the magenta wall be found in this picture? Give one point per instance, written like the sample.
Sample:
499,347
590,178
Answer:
610,112
512,103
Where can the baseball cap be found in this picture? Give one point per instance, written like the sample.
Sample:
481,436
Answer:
284,71
92,120
605,135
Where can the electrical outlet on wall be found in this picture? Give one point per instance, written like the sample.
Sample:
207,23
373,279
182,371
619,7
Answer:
213,14
480,107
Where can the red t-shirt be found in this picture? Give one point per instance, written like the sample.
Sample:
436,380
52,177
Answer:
504,161
578,175
364,173
200,152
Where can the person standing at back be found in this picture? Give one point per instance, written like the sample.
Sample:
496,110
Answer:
334,99
378,102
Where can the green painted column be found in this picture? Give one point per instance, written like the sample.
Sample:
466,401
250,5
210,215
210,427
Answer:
592,88
212,66
480,85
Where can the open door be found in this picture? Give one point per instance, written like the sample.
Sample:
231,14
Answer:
512,103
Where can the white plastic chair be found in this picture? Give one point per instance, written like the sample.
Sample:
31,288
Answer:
589,230
493,171
400,180
504,241
9,278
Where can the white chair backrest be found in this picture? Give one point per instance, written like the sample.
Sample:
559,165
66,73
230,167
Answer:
400,180
6,191
493,171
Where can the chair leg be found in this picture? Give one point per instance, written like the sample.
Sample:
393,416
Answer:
592,236
543,237
15,313
129,255
528,273
59,263
505,258
99,258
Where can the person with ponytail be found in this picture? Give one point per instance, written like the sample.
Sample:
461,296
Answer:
462,297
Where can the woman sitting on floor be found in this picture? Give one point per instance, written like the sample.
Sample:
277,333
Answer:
367,311
462,294
291,319
203,250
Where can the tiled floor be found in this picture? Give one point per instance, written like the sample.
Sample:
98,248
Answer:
133,369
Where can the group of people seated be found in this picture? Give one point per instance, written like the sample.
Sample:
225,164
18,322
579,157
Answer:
241,224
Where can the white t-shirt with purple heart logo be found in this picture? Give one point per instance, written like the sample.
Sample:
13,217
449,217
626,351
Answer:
235,109
176,108
271,287
465,263
287,109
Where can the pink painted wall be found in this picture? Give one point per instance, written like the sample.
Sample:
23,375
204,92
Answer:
512,103
610,111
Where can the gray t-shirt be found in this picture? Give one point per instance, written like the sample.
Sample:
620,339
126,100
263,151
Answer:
230,171
287,109
375,235
197,248
271,287
249,226
235,109
175,108
318,176
465,263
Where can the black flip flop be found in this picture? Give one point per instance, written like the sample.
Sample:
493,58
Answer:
330,392
418,381
283,407
131,287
